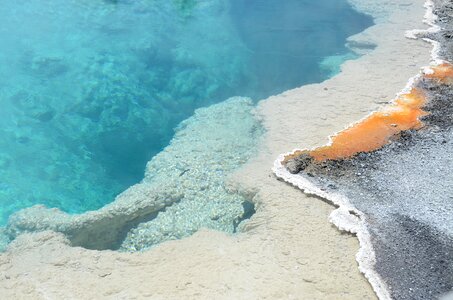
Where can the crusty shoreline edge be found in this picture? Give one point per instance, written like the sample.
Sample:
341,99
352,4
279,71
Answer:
346,217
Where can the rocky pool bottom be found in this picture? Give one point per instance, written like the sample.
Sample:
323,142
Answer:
404,190
184,188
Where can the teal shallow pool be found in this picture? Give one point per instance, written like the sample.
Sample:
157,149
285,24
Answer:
91,90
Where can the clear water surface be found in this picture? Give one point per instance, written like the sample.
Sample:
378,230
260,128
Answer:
90,90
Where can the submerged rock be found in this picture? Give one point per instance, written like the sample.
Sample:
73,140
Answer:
183,189
299,163
206,149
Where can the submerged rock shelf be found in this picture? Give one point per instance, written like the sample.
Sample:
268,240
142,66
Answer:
183,189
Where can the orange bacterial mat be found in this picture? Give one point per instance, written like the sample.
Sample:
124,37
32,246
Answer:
376,130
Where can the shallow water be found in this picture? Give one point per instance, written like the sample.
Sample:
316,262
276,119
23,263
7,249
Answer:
91,90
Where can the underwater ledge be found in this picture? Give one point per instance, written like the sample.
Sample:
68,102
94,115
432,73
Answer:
183,189
389,175
288,229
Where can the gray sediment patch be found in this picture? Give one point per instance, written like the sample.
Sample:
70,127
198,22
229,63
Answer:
183,189
402,193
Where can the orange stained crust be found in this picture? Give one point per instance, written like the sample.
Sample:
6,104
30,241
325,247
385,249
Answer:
442,73
374,131
377,129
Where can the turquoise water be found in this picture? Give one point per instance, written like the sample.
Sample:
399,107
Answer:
91,90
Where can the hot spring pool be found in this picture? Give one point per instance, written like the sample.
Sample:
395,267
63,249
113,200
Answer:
91,90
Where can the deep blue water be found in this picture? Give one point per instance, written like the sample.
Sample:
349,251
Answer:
90,90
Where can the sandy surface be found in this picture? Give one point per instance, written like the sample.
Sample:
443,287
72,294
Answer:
288,250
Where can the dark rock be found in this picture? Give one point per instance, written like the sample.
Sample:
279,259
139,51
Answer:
299,163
